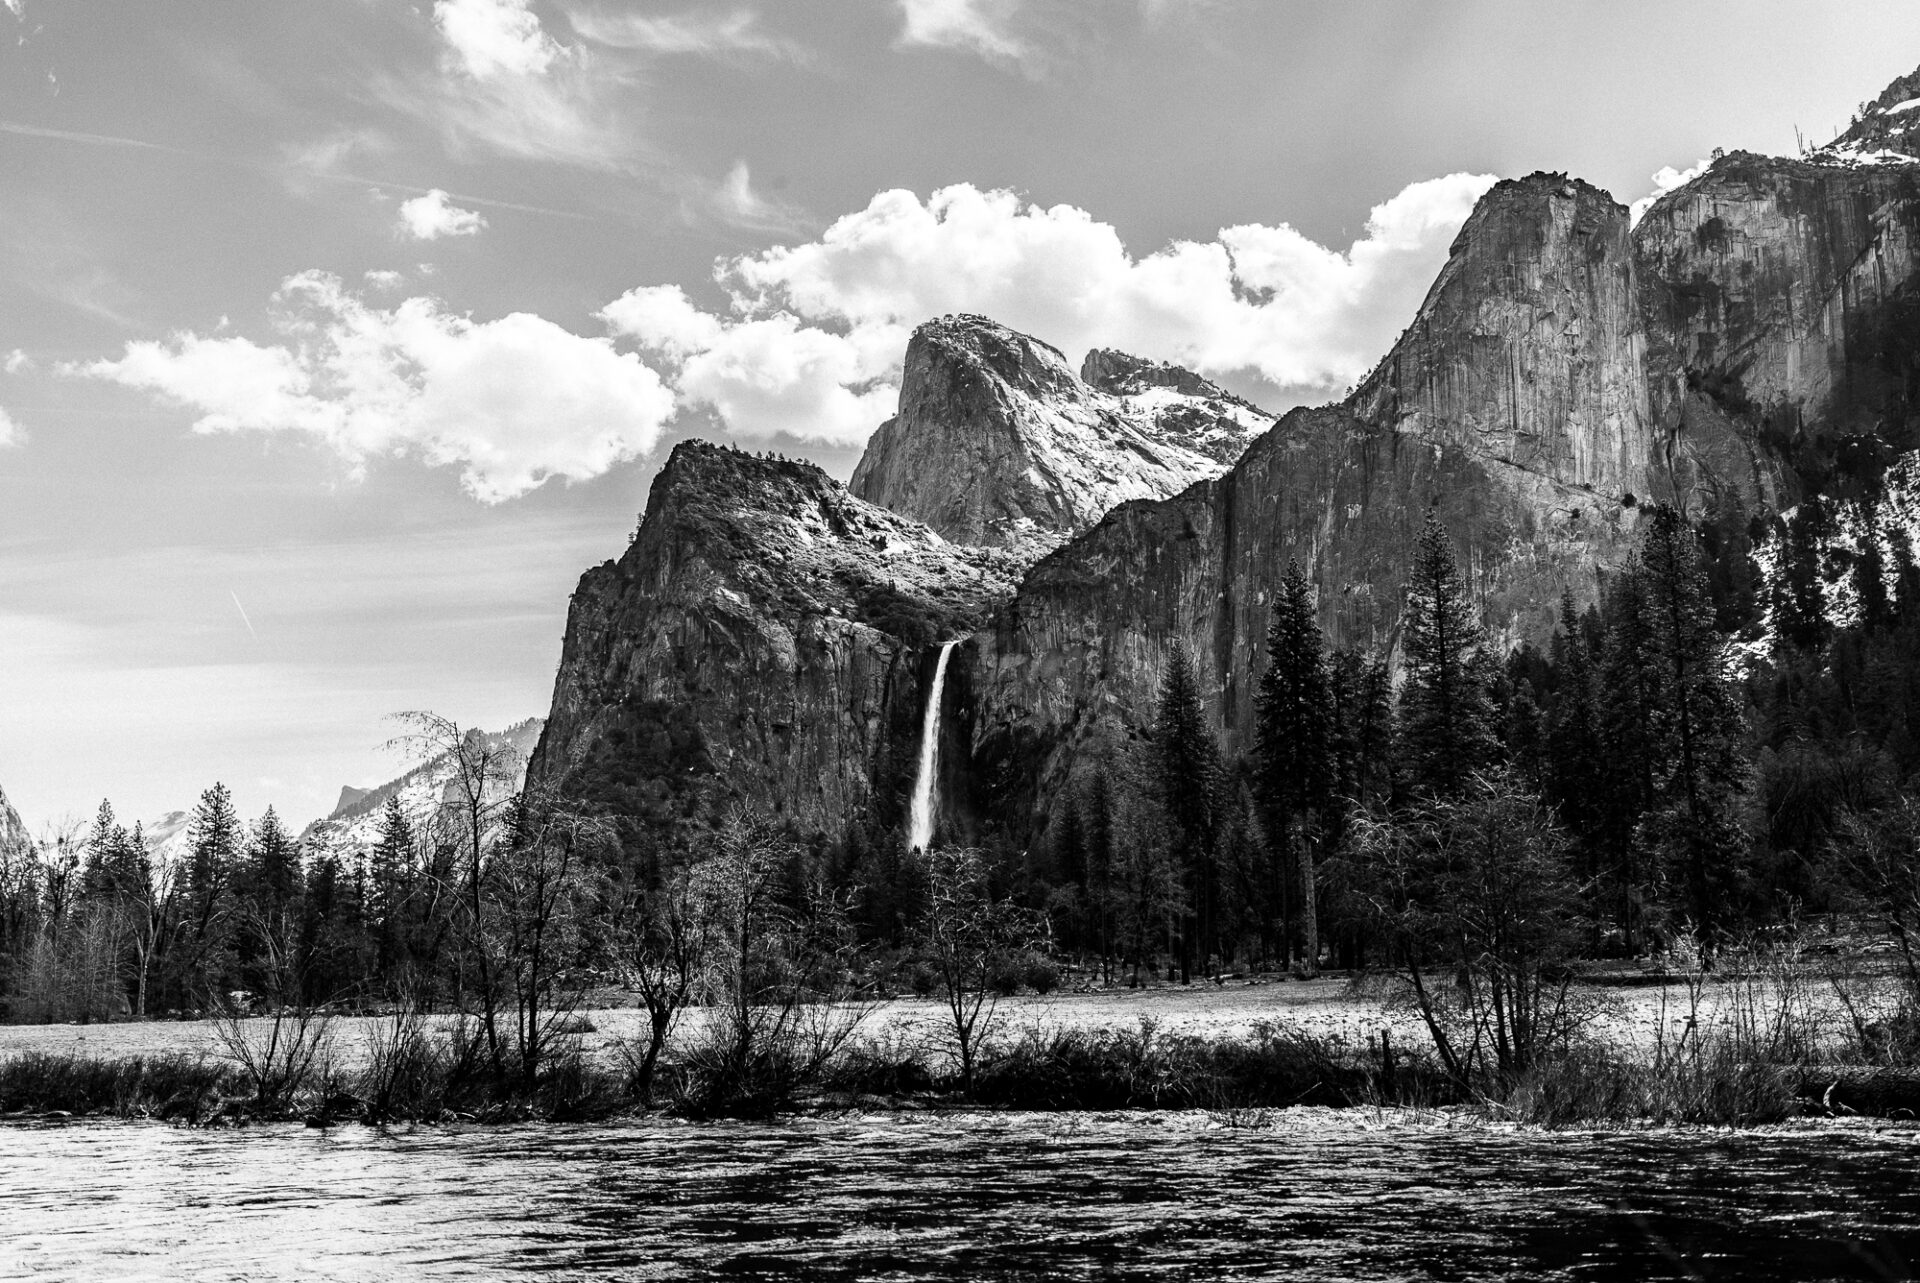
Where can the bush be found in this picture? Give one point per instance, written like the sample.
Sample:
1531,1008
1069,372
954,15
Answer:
172,1086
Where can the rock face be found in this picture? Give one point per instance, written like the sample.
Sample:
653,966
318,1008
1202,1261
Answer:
1779,301
13,833
1514,408
354,824
997,442
766,636
1758,335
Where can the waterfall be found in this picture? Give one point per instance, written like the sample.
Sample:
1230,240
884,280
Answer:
920,818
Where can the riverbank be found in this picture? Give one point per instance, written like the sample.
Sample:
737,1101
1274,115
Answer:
1738,1049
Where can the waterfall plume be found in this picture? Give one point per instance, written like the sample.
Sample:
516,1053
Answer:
920,818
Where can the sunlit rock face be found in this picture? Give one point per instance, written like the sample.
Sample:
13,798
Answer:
13,833
1780,310
1514,408
998,442
764,634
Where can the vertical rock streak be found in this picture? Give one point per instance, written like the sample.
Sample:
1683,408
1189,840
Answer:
920,819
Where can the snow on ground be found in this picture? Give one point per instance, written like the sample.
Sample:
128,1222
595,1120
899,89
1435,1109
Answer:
1331,1008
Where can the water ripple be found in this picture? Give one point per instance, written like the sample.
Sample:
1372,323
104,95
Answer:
1322,1196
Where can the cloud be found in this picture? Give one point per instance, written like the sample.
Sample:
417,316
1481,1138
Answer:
514,401
495,37
13,6
736,201
980,27
1666,180
16,361
725,36
813,337
384,279
429,217
504,85
11,433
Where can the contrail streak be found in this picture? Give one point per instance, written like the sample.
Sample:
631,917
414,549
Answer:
243,614
358,180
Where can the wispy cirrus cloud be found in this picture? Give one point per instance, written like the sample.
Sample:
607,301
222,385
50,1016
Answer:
512,401
731,35
982,27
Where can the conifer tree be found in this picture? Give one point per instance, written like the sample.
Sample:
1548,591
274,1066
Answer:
1189,769
1696,727
1574,763
274,863
213,835
1446,716
1293,746
1629,688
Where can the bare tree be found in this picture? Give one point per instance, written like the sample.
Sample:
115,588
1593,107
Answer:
1475,897
483,775
665,946
968,936
781,975
535,921
279,1051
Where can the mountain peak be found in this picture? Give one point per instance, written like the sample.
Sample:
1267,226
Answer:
998,441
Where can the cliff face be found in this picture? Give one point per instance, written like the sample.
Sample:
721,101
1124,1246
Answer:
1779,304
1514,408
997,441
766,636
13,833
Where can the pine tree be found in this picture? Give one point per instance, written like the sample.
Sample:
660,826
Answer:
107,861
1446,716
274,863
1189,769
1696,726
1293,746
1574,765
1362,731
1097,840
1628,689
213,835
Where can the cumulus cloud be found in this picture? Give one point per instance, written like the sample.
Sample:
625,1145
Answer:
11,434
1665,181
513,401
384,279
495,37
980,27
811,341
16,361
430,217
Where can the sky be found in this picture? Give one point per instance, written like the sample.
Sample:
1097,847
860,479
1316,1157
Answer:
337,338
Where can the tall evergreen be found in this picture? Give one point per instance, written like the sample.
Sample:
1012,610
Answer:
1293,748
214,837
1189,769
273,863
1361,744
1446,716
1696,729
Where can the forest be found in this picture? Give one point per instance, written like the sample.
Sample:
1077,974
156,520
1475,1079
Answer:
1715,757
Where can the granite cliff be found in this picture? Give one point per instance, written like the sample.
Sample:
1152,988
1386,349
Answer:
1514,408
1755,338
766,636
998,442
13,833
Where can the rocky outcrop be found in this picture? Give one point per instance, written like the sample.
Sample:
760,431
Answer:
765,636
1757,336
13,833
1514,409
997,442
1779,303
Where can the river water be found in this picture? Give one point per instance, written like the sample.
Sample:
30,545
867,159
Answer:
1317,1195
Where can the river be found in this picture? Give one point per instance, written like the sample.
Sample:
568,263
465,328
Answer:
1317,1195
